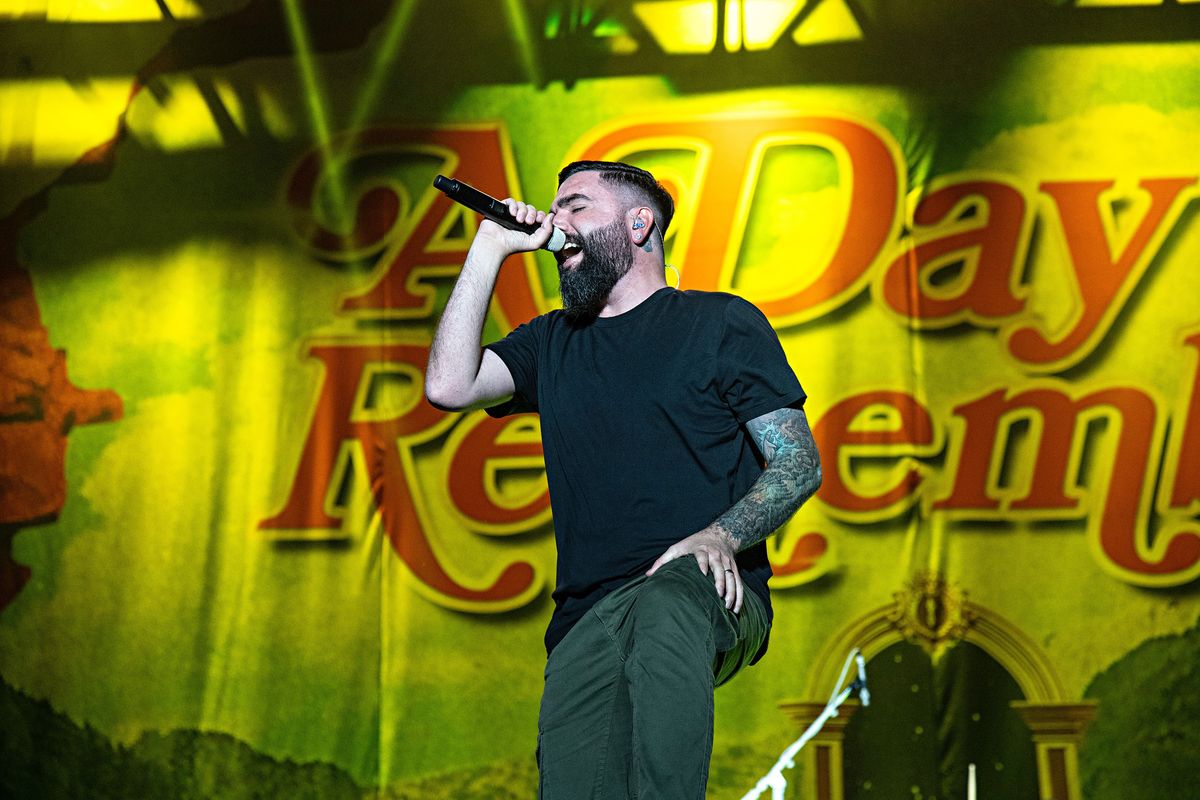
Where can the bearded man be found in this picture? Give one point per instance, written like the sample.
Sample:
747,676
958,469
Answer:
675,443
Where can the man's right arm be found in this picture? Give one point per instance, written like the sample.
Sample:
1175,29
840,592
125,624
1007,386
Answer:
460,373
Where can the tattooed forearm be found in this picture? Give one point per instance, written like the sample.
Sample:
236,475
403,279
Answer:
793,473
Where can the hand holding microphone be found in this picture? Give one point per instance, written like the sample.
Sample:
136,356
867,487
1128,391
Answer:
518,217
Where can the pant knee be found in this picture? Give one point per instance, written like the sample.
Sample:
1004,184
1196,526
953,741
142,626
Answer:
674,611
679,590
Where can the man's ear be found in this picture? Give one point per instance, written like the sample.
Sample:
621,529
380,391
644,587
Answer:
641,224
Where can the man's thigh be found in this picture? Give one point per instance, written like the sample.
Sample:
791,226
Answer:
585,727
679,595
584,717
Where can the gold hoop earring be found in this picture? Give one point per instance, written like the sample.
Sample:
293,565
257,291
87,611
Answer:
678,277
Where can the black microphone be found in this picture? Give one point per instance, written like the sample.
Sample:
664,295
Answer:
493,209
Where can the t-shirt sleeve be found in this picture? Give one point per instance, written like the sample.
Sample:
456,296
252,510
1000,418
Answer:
519,352
753,371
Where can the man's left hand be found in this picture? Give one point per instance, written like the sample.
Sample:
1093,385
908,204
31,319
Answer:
715,554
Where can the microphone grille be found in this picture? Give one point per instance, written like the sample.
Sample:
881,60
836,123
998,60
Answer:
557,240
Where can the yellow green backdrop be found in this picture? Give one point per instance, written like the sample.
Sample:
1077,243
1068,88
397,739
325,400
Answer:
243,557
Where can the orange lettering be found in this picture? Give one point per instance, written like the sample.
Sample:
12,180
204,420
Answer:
797,559
482,447
878,424
1118,498
336,422
979,228
1185,492
412,235
1104,279
989,420
731,149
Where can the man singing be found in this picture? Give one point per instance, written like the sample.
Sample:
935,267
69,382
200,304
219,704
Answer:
675,443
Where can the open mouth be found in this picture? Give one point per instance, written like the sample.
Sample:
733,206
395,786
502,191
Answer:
570,255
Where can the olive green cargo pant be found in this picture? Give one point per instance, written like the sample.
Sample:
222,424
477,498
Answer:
627,710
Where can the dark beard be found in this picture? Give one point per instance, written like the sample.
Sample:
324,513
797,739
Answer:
607,257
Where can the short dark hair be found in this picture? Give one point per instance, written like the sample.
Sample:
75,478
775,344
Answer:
628,176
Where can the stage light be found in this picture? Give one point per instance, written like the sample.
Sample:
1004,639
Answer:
830,21
608,31
334,191
734,17
518,22
180,117
53,121
764,21
394,31
101,10
690,26
680,26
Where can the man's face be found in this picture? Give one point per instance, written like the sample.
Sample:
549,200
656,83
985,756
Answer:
598,251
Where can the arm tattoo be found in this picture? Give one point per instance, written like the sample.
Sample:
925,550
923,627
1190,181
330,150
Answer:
792,475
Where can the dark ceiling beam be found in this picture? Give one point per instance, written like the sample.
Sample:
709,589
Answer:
483,53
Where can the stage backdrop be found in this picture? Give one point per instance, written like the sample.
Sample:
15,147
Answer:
243,557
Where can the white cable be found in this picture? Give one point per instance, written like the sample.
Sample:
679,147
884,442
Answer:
774,779
864,696
842,677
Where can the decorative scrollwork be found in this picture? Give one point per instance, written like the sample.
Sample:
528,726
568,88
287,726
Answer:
931,612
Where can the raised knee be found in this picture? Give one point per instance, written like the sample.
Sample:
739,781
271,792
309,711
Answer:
677,593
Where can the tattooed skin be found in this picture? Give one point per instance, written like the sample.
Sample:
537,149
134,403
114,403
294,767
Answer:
793,473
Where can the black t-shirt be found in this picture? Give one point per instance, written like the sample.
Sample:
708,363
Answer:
643,419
